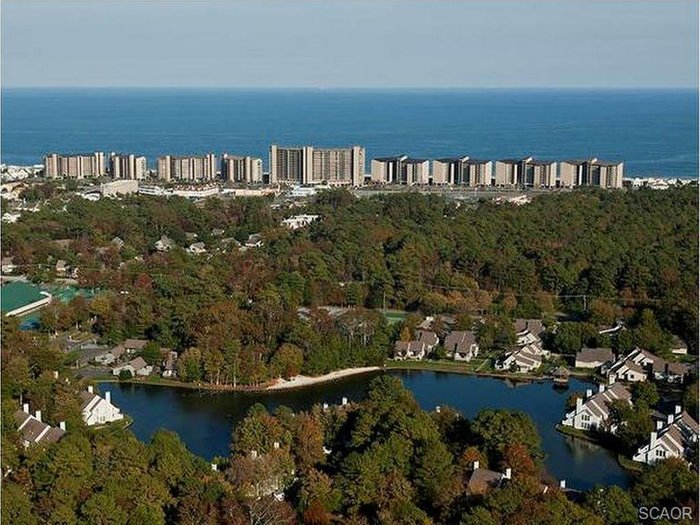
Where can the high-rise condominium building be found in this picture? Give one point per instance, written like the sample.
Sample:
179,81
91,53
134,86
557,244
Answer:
187,168
75,166
538,173
591,172
310,165
246,170
462,171
127,166
400,170
508,172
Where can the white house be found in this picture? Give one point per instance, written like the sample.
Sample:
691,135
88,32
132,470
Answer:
461,345
137,367
594,412
164,244
527,331
197,248
522,360
111,356
299,221
678,347
673,438
169,369
409,350
634,367
134,345
97,410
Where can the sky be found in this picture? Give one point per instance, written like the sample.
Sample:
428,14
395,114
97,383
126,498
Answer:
345,44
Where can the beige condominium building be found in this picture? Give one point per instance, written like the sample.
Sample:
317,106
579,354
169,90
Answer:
127,166
400,170
187,168
591,172
538,173
76,166
311,165
240,169
462,171
508,172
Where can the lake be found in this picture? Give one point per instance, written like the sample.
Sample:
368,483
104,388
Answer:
205,420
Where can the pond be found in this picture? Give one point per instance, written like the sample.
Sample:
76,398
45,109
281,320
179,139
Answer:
205,420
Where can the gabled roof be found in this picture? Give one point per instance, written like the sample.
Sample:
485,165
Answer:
138,363
136,344
481,480
88,399
460,340
595,355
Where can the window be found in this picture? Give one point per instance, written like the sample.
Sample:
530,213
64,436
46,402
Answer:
586,417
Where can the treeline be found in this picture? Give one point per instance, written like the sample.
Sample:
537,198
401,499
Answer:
625,251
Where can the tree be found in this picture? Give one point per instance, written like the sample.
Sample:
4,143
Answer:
669,483
151,353
645,393
498,428
189,365
287,361
613,504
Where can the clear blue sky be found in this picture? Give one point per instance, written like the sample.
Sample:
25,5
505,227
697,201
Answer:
350,43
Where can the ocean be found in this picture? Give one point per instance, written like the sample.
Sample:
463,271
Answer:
655,132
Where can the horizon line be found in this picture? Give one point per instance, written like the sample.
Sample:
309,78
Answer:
366,88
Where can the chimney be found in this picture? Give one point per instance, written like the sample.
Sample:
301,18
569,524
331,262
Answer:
579,404
677,409
254,454
214,467
669,419
508,474
325,406
611,379
476,465
652,440
108,396
37,415
62,425
562,484
55,374
589,393
90,389
659,425
276,444
344,401
601,388
25,408
437,409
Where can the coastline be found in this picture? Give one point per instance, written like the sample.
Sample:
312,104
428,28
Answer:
301,381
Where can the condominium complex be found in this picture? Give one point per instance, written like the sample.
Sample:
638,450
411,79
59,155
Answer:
508,172
527,172
76,166
401,170
187,168
462,171
591,172
239,169
310,165
127,166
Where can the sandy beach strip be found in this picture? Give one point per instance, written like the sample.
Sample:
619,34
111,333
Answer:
299,381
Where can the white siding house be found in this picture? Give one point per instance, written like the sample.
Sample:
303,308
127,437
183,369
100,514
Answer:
673,438
97,410
594,412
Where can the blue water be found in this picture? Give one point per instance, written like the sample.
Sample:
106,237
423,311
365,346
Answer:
204,421
653,131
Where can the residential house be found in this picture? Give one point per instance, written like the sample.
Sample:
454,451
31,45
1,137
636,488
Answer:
593,357
299,221
674,438
461,345
527,331
428,338
254,241
522,360
97,410
137,367
32,429
197,248
409,350
61,268
670,371
593,413
678,347
118,242
165,244
111,356
8,265
134,345
633,367
481,480
169,364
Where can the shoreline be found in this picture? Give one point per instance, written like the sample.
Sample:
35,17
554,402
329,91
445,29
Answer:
301,381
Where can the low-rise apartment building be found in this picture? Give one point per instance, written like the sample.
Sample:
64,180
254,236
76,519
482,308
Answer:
593,412
400,170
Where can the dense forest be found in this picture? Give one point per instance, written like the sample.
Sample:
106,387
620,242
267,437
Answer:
382,461
233,312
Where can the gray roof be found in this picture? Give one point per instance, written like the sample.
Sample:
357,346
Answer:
595,355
